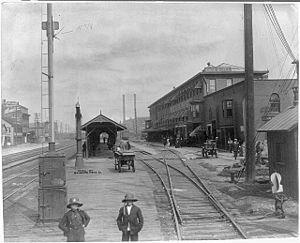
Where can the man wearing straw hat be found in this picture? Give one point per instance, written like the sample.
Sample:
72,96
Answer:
74,221
130,219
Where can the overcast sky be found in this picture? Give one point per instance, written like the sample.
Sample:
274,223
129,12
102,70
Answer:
107,49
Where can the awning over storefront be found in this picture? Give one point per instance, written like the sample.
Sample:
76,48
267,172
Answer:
196,130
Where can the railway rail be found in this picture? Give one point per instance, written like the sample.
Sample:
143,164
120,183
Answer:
16,159
25,171
196,212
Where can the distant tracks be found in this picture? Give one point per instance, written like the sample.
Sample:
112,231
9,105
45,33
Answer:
16,182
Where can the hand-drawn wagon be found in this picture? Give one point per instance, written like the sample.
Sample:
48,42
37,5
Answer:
124,158
209,148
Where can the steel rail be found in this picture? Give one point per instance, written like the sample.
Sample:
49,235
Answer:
20,162
172,194
29,182
212,198
206,191
15,191
10,178
174,209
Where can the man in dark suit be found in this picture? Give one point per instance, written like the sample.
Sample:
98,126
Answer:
130,219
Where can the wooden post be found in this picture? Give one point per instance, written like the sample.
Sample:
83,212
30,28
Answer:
250,128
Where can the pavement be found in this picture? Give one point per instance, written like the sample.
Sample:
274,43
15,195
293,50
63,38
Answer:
102,193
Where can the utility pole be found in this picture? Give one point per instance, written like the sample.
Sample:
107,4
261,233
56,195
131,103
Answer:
250,128
50,26
135,118
124,117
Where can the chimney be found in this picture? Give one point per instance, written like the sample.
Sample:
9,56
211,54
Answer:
295,90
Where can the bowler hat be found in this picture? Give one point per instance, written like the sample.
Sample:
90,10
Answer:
74,200
129,197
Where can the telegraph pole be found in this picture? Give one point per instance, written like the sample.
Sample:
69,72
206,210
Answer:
50,26
250,128
135,118
124,117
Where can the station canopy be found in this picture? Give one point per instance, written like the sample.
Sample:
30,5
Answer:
102,123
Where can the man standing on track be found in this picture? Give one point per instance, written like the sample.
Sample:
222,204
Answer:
130,219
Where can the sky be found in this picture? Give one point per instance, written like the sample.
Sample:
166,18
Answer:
107,49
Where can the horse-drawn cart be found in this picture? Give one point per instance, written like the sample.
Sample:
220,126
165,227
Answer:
124,158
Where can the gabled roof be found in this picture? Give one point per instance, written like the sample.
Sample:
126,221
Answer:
284,121
101,119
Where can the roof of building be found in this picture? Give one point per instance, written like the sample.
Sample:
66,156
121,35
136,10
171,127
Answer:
284,121
221,69
7,121
101,119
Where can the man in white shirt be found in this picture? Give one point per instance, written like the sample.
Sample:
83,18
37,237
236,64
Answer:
130,219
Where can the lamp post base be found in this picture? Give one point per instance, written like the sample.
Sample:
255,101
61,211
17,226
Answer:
79,161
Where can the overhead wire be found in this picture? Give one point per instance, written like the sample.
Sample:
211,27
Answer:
272,16
283,88
281,32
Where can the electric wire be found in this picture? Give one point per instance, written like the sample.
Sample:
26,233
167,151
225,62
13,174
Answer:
272,16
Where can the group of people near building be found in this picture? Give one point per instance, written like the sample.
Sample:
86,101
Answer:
238,148
172,141
130,220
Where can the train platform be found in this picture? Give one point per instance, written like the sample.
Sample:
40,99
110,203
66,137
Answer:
101,188
22,148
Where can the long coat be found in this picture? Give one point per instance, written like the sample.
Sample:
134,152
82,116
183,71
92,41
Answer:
135,220
73,223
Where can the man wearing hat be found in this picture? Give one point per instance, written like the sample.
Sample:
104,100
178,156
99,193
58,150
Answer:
130,219
74,221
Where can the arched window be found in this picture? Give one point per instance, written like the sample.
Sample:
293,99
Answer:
274,103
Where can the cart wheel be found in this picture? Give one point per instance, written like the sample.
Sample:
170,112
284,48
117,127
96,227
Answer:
119,166
133,169
116,165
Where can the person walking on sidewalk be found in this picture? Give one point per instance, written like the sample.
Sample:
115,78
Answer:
235,148
130,219
230,144
74,221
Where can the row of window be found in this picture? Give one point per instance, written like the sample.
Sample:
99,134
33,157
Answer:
184,95
211,86
172,121
227,110
227,106
189,93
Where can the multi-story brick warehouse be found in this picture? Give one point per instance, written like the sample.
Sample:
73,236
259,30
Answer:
224,114
210,105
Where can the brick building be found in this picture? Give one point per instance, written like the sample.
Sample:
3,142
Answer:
224,114
210,105
18,116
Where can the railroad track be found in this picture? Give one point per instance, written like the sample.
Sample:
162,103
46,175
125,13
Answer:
252,226
197,214
29,154
25,172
